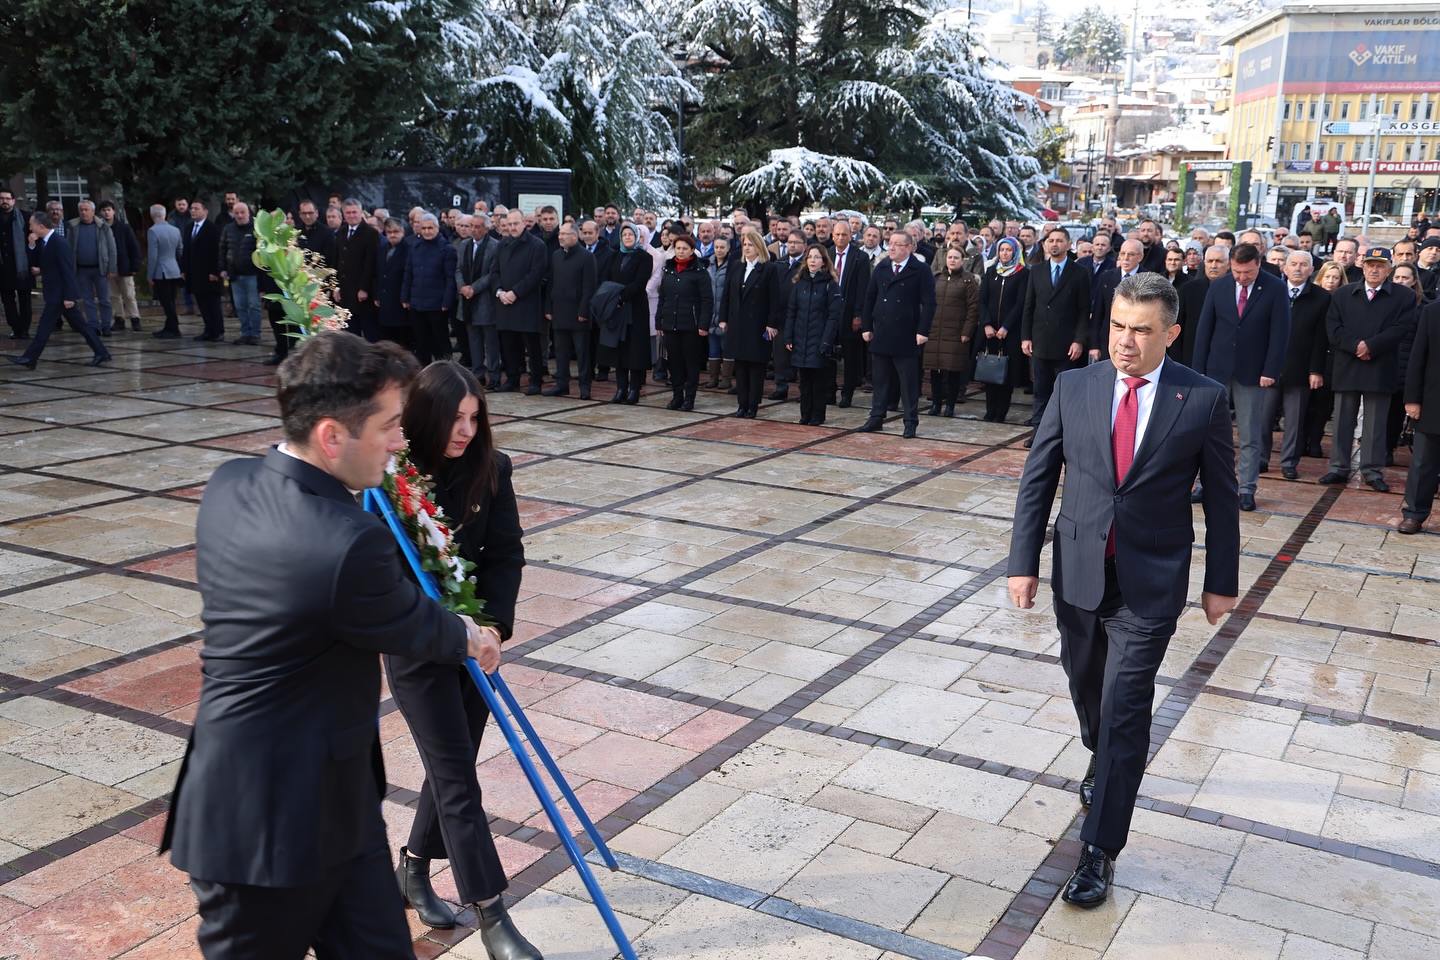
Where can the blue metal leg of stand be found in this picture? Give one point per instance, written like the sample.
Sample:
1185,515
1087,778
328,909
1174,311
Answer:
559,778
376,502
561,828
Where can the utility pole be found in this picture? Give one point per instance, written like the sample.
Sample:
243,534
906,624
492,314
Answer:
1374,165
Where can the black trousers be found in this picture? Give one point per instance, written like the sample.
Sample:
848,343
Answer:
1111,657
355,913
749,384
573,345
50,319
275,314
895,376
15,297
854,365
780,359
432,335
1045,372
165,293
516,349
686,350
211,313
1423,478
997,400
815,385
1317,413
447,716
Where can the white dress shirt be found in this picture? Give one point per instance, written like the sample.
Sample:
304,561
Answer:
1144,399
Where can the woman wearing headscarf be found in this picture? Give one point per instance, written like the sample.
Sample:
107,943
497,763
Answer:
631,268
947,352
1002,295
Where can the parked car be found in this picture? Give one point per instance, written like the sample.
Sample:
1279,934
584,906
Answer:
1376,220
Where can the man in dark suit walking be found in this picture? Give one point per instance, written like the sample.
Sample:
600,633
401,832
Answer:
899,306
357,245
1240,342
276,811
1304,362
200,269
52,260
1367,323
1131,436
1055,322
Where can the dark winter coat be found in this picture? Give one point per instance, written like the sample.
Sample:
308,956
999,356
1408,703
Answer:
389,275
1001,301
1382,323
1309,342
686,299
719,276
957,310
751,306
520,267
200,257
429,281
813,319
1422,380
632,272
898,307
127,249
355,269
237,246
572,284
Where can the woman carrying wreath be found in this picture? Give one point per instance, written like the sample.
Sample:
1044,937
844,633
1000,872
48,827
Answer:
446,425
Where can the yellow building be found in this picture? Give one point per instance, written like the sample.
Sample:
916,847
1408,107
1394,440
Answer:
1309,81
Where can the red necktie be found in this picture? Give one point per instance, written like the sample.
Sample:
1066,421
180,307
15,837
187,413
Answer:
897,270
840,264
1370,293
1244,299
1122,440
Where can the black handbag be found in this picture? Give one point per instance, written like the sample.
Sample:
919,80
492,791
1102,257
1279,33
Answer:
834,352
992,368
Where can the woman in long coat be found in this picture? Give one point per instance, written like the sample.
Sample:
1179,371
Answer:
947,352
1002,297
631,268
812,325
752,315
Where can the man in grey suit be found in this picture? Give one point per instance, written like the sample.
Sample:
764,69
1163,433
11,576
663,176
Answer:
1240,342
93,246
163,268
1130,435
276,810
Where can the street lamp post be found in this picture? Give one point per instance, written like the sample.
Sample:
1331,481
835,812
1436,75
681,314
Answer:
681,59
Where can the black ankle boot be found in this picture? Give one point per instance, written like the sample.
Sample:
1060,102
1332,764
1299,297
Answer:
676,399
413,875
502,941
689,403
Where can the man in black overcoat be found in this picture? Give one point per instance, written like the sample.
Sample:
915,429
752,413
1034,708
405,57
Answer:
899,307
276,811
200,269
1422,406
572,284
1305,357
521,263
357,245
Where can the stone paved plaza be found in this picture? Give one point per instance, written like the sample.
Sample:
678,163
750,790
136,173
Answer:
779,665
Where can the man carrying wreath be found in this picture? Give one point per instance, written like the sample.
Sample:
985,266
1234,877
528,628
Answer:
276,812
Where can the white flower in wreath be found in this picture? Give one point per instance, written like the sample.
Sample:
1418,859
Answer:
432,532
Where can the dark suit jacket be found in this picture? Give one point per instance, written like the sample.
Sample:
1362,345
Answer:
1188,434
1192,301
748,307
57,270
897,308
1422,382
355,267
1055,317
572,284
1154,260
200,257
1244,349
301,588
1309,340
853,281
1102,300
1382,323
389,279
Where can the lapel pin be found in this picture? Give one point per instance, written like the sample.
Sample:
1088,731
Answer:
1179,396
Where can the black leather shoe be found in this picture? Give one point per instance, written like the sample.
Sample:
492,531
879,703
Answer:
96,360
675,401
871,426
1029,442
106,333
1290,473
1315,453
22,362
271,362
509,386
619,395
533,390
1247,502
779,394
499,936
166,334
633,397
584,394
1089,885
1087,786
845,398
134,323
413,875
556,392
1378,485
1335,478
909,433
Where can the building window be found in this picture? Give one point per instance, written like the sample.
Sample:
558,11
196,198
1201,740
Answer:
1390,151
1294,151
1345,110
1314,104
1326,111
1309,151
1340,150
1395,109
1286,112
1364,109
1409,151
1415,110
1429,109
1320,152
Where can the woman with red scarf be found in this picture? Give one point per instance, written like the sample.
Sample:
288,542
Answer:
683,317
